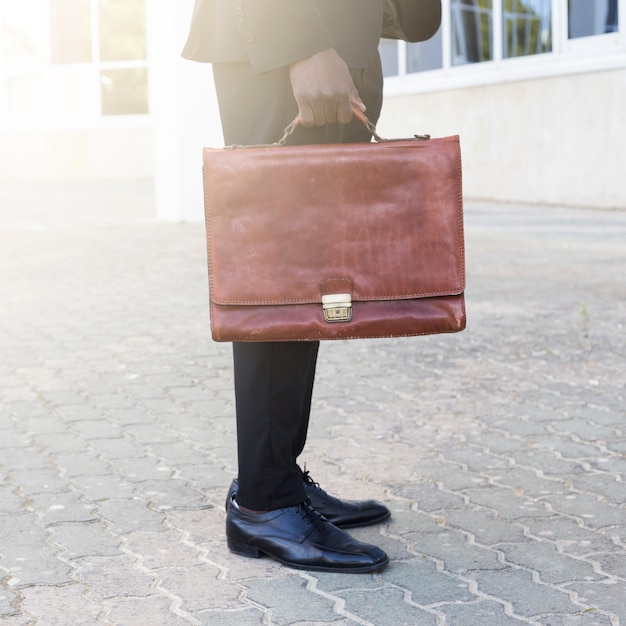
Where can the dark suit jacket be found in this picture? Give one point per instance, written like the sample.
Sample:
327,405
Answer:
274,33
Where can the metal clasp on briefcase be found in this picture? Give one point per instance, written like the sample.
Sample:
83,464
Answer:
337,307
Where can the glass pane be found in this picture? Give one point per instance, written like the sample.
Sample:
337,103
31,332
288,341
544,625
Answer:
425,55
527,27
70,31
472,31
22,33
124,92
388,50
122,30
592,17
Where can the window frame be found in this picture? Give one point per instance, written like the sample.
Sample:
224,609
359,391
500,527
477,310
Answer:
568,56
48,69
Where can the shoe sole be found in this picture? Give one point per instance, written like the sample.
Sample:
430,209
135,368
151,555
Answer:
243,549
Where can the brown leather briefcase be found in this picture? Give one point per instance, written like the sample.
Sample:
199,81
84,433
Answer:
335,241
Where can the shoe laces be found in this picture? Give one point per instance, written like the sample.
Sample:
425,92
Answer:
311,515
306,477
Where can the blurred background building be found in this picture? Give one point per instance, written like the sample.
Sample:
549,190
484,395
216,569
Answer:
96,90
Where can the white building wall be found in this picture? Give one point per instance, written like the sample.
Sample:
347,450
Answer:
48,154
558,140
165,145
184,113
554,138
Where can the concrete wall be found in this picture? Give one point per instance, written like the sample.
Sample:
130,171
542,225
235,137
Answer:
554,140
77,154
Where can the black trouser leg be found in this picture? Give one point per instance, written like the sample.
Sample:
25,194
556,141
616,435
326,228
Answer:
273,388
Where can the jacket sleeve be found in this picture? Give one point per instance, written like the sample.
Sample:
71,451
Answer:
276,33
419,19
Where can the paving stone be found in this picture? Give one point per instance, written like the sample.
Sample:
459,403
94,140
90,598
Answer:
95,429
155,609
584,428
98,488
613,490
503,444
58,605
12,438
113,577
526,597
484,526
200,587
570,537
426,585
509,503
479,613
38,481
81,464
428,496
297,605
614,464
8,602
130,514
594,513
168,552
555,568
38,565
497,443
85,539
10,502
171,494
613,563
527,483
116,448
179,453
457,554
62,397
475,459
600,416
17,620
56,508
23,458
452,478
240,617
65,442
608,596
586,618
128,416
380,606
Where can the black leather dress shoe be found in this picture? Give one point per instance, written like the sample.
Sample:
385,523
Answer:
298,536
341,513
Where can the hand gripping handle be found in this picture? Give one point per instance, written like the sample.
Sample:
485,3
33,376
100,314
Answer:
355,111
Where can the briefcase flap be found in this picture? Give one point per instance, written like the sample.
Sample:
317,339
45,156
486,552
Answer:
384,220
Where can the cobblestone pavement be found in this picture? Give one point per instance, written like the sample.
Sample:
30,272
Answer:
501,451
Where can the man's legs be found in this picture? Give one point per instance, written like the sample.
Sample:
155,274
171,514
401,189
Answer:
273,388
274,381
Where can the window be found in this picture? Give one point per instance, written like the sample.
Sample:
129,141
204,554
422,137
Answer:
484,34
527,27
73,59
472,31
591,17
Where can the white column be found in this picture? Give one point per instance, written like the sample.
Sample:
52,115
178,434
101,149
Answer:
183,110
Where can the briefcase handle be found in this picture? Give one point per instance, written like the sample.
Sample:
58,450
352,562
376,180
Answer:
297,121
355,111
358,114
